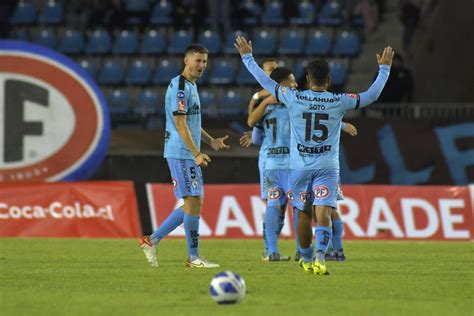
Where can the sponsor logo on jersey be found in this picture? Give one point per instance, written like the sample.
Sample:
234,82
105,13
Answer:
54,121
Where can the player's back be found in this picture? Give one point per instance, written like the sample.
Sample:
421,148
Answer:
182,98
276,125
315,128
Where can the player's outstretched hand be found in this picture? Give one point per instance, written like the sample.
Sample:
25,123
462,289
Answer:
350,129
387,56
218,143
243,46
202,160
246,139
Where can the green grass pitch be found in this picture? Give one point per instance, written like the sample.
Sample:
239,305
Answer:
112,277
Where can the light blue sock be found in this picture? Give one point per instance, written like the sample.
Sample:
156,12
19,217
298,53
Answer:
307,253
191,228
295,228
323,236
281,223
271,228
337,230
174,220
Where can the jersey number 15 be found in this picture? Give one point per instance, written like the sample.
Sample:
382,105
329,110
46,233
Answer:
313,124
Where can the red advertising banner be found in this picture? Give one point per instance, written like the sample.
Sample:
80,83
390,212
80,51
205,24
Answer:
368,211
69,209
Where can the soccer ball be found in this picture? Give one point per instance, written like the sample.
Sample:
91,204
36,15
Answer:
227,288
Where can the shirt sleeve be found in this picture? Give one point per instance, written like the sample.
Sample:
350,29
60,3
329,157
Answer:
257,136
179,100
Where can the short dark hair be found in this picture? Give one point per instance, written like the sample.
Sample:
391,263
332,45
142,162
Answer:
269,60
196,48
319,71
280,74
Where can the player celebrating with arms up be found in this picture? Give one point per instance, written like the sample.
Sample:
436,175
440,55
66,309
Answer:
185,159
315,116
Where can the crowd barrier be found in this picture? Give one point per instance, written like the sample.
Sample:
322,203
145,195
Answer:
108,209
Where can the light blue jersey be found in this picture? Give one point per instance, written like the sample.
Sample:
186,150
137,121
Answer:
182,98
316,117
276,141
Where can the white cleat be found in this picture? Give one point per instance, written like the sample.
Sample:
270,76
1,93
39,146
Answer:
149,250
200,262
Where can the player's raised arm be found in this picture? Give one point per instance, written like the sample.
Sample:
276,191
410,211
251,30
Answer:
245,50
373,93
256,115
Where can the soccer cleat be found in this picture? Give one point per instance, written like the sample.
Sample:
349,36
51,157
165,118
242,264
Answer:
306,266
297,256
150,250
200,262
340,256
265,256
320,269
331,256
276,257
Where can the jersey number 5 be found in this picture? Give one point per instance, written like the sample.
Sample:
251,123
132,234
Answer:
317,126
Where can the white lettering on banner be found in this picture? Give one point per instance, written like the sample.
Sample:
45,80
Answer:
231,206
381,207
448,219
56,210
258,212
350,218
409,205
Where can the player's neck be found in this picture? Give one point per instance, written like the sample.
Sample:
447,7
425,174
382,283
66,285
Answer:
188,76
318,88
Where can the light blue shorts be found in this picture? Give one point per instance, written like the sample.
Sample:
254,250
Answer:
186,177
316,187
278,186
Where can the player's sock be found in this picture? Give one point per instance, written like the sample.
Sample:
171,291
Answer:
281,223
174,220
323,235
295,228
307,253
272,228
191,228
265,241
337,230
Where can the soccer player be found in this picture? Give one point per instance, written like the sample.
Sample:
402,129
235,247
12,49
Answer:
185,159
315,116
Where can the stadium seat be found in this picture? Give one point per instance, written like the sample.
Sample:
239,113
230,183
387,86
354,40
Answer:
138,73
292,42
306,14
126,43
52,12
231,104
264,43
153,42
210,40
207,98
273,14
89,67
319,43
338,73
18,34
111,73
165,71
25,13
179,41
136,5
45,38
161,13
347,44
72,42
99,42
330,13
230,40
222,72
147,103
119,102
254,11
300,70
244,76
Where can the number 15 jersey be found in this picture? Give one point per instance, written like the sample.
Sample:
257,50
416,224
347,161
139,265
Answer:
315,126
